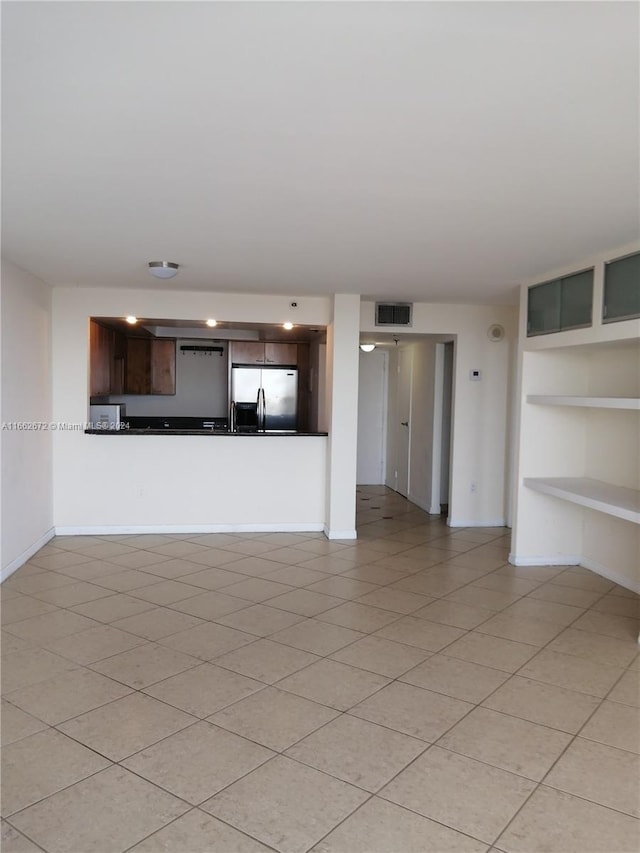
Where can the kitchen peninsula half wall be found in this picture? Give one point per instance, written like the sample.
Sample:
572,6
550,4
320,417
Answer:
209,482
176,375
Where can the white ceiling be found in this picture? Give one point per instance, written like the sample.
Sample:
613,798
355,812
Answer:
434,151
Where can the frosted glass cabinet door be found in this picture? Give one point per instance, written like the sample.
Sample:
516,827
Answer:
621,289
576,300
543,314
565,303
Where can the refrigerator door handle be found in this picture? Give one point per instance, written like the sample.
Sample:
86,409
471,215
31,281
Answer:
264,409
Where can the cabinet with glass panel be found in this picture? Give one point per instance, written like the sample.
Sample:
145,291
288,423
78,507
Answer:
561,304
621,298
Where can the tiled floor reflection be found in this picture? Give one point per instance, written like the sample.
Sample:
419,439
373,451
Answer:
403,693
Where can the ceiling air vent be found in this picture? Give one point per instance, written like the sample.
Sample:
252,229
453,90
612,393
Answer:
393,313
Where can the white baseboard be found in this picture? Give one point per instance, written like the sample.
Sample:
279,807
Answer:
124,529
610,575
340,534
461,522
546,560
424,506
573,560
14,565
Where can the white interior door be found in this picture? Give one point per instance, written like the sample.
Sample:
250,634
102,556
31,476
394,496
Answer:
372,388
403,425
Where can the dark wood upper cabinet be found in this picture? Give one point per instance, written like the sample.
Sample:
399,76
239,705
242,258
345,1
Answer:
256,352
280,353
163,366
118,363
101,341
137,378
150,366
247,352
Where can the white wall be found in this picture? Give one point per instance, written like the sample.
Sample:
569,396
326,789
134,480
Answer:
142,481
342,393
480,409
138,483
26,515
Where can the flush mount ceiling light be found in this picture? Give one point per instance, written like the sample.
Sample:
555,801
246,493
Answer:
131,319
163,269
211,323
288,326
367,347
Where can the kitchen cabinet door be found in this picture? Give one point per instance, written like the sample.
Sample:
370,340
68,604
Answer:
118,363
247,352
151,366
281,353
138,369
163,367
100,357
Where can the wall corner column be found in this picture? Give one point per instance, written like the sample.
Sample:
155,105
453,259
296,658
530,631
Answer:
343,336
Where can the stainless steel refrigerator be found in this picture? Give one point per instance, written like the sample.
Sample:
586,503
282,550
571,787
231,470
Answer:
273,389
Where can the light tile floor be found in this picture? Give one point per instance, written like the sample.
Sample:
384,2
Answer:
407,692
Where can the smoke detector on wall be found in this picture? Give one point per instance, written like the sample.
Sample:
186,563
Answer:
495,332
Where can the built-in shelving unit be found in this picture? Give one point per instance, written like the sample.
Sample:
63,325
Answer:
631,403
578,467
594,494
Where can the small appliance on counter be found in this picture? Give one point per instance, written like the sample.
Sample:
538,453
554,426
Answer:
108,416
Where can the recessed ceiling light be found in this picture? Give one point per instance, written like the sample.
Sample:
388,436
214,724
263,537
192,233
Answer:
211,322
163,269
367,347
131,319
288,326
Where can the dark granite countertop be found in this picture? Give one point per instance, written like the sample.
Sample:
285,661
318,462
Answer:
150,431
184,425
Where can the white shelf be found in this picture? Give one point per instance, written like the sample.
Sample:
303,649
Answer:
594,494
632,403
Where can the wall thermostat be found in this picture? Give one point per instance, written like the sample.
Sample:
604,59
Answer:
475,375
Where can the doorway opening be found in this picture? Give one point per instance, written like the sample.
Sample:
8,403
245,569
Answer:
405,418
